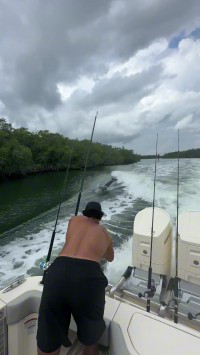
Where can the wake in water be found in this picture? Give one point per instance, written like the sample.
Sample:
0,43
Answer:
139,183
22,251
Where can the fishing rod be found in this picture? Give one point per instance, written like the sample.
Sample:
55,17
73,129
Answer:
86,161
176,281
45,264
151,288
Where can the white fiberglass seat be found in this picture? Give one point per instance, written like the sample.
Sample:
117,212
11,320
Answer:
134,331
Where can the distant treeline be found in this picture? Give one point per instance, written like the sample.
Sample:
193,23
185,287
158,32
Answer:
191,153
147,156
23,152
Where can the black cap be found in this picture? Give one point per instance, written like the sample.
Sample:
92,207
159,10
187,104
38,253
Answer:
93,206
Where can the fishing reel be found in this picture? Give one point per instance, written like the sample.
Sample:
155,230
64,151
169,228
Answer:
149,293
44,265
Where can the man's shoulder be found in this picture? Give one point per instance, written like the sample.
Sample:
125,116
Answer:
102,229
75,219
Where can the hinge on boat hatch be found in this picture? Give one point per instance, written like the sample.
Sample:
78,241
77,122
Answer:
18,281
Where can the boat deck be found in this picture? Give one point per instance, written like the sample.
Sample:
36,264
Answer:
76,348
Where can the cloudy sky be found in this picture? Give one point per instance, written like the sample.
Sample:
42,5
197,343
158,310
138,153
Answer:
136,62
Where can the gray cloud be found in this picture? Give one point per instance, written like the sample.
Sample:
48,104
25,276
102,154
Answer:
44,43
120,90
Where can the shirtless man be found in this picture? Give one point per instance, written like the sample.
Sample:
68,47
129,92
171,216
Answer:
75,284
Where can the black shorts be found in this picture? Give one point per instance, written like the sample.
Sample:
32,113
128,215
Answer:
77,287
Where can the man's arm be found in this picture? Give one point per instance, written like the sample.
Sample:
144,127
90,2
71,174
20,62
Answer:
109,254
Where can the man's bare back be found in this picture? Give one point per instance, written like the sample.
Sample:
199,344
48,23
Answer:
87,239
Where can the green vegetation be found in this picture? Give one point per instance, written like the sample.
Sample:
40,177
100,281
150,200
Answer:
23,152
147,156
191,153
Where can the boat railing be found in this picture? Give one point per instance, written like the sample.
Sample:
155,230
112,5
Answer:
120,283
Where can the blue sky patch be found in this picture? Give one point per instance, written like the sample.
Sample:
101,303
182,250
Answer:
195,33
176,40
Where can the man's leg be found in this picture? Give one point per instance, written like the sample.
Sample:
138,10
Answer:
57,352
90,350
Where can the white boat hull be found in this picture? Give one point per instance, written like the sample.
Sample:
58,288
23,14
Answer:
130,330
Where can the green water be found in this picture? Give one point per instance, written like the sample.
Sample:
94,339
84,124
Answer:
29,208
26,198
